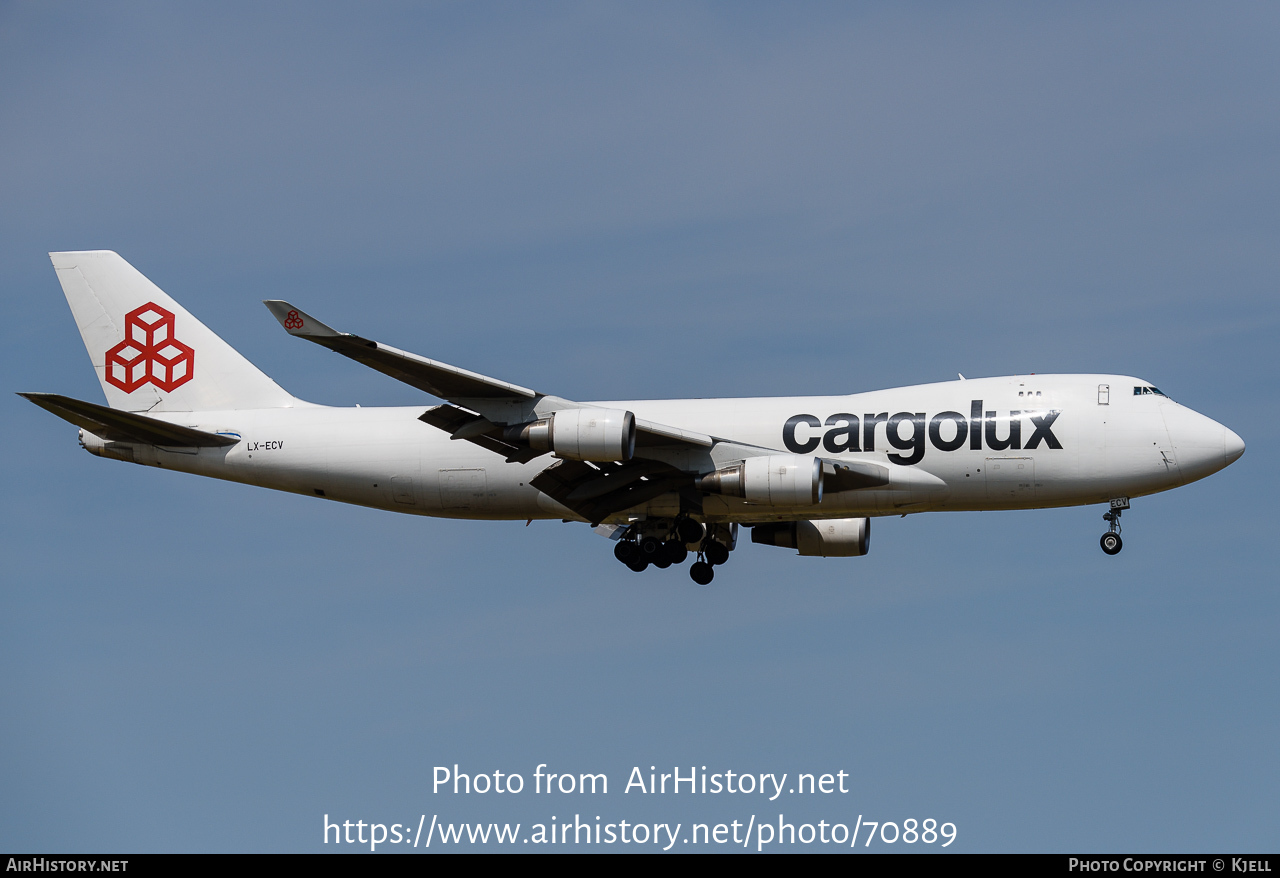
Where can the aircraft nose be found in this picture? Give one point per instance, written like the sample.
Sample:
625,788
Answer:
1203,445
1232,446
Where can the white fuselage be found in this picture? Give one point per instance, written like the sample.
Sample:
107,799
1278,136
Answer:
1077,439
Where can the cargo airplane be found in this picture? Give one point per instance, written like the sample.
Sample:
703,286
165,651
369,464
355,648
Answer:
664,479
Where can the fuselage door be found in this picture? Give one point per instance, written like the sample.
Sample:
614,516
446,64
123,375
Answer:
463,488
1011,479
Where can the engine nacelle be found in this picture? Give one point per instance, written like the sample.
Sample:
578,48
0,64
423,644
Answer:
771,480
583,434
828,538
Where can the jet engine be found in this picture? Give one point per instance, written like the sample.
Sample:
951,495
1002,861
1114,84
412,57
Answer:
828,538
770,480
581,434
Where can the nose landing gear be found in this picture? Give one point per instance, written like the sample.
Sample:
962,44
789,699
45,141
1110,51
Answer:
1111,542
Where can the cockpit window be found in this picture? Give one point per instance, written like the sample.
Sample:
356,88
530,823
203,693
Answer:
1139,391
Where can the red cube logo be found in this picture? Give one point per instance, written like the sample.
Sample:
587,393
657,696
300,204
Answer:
150,353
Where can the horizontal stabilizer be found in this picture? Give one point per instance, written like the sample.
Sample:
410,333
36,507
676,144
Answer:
117,426
438,379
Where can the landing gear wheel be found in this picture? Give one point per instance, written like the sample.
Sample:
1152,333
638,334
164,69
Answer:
662,562
717,553
702,573
651,548
689,531
638,564
675,551
1111,543
625,550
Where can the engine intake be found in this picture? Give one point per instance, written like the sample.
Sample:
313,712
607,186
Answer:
828,538
771,480
581,434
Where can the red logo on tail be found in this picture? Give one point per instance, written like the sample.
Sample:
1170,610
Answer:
292,320
150,353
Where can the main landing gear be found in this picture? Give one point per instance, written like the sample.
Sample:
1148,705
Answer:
1111,542
664,543
713,554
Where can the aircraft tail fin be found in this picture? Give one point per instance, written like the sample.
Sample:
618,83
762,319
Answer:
149,352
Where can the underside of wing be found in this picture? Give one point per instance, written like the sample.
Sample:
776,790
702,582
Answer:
596,491
479,430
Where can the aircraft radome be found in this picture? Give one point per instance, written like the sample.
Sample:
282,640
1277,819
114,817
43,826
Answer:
662,478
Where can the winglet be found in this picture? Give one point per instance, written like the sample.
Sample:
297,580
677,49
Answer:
298,322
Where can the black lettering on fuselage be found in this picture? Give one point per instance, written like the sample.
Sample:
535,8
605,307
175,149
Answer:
935,431
914,443
1015,432
841,438
842,432
869,422
1043,425
789,434
975,425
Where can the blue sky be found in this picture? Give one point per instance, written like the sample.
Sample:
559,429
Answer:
610,201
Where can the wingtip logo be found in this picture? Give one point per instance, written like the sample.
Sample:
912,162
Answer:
149,353
292,320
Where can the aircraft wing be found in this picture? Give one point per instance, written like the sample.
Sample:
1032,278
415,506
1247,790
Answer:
438,379
479,410
649,434
119,426
477,429
462,388
597,490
